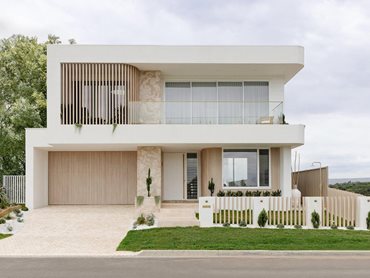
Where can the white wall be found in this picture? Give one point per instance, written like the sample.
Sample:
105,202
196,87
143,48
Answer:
286,171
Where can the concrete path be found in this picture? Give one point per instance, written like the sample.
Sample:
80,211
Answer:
70,230
235,267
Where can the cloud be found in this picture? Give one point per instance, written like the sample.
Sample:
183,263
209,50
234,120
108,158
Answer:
331,95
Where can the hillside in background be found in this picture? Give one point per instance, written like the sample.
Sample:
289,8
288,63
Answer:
352,186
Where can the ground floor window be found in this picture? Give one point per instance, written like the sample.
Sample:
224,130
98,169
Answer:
246,168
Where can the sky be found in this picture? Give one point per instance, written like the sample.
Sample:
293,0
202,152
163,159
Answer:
331,95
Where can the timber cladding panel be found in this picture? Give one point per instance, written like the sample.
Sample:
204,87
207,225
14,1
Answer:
92,178
211,167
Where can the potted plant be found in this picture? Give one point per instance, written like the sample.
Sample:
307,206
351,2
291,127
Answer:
211,186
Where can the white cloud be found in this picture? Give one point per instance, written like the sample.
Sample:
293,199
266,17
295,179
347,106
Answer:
331,95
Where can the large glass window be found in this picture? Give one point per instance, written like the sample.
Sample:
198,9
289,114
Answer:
178,103
246,168
204,102
230,102
217,102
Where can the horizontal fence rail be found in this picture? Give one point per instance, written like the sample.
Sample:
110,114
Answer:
338,211
15,187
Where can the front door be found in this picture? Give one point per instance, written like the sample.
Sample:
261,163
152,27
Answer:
180,176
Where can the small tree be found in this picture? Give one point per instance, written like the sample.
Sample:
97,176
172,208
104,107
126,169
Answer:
211,186
262,218
4,202
148,182
368,220
315,220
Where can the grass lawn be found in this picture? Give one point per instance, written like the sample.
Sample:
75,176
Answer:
195,238
3,236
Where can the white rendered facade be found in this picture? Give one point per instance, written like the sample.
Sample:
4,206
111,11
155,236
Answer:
273,65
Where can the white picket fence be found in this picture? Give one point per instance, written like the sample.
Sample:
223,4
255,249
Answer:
15,187
333,211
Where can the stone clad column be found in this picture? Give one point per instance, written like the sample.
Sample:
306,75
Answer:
149,157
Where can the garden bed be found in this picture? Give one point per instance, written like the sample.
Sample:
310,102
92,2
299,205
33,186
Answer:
195,238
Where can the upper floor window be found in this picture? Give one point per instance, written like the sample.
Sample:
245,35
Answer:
216,102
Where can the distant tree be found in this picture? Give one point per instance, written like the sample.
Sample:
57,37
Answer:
22,96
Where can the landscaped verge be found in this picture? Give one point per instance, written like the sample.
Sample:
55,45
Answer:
195,238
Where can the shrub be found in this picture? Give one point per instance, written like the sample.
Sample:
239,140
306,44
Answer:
266,193
226,224
257,193
8,217
298,226
262,218
17,211
239,193
333,227
276,193
350,227
211,186
220,193
148,182
24,208
280,226
230,194
9,228
140,220
242,223
368,221
4,202
248,193
2,221
20,220
150,220
315,220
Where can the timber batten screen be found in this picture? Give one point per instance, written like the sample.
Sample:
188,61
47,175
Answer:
98,93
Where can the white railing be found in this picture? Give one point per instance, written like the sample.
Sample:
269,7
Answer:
287,211
15,187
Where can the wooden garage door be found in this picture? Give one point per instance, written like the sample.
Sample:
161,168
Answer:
92,178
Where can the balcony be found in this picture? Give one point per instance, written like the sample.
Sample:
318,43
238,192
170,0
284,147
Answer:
106,112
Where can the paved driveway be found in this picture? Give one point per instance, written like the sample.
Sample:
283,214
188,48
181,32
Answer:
74,230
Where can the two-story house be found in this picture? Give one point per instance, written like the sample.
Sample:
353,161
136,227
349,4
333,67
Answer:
189,113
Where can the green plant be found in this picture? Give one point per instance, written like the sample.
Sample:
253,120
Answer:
229,193
4,202
141,220
280,226
24,208
9,228
157,200
8,217
334,227
350,227
248,193
368,221
220,193
266,193
315,219
17,210
239,193
19,214
148,182
211,186
139,200
78,126
242,223
298,226
226,224
114,127
257,193
150,220
2,221
262,218
276,193
20,220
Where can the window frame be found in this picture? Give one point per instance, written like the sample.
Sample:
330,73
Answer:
258,170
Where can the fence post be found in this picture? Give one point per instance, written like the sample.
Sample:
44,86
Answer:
258,204
313,204
206,207
362,210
